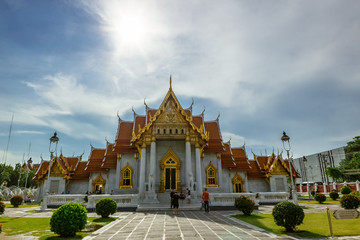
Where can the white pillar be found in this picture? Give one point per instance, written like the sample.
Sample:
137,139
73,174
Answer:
118,169
357,186
316,187
219,168
142,169
198,170
301,187
188,173
246,184
334,185
325,190
152,165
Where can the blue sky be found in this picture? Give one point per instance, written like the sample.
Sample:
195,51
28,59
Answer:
266,66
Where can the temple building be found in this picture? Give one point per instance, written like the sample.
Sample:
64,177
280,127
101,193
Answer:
168,148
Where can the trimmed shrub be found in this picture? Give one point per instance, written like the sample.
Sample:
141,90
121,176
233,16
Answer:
345,189
312,192
245,204
320,197
16,200
68,219
350,201
105,207
288,215
334,194
2,207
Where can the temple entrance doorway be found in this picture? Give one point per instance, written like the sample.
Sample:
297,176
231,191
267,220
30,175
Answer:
170,165
170,178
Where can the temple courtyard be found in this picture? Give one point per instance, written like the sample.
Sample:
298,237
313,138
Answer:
164,225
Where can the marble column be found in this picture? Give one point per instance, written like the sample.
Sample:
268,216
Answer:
219,170
300,187
90,184
152,172
199,186
188,173
246,184
142,169
118,169
357,186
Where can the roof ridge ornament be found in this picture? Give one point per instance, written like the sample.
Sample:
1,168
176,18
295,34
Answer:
170,84
146,106
217,119
202,113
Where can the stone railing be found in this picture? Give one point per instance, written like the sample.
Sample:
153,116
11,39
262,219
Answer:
123,200
228,199
61,199
272,197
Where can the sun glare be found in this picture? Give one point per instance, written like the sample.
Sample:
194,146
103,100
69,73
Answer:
129,31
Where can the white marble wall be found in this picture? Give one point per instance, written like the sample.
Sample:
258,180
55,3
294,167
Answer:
258,185
79,186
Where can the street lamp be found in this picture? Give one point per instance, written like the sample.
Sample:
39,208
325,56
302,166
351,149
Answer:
307,180
52,148
286,143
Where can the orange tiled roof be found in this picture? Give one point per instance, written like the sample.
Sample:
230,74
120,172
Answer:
139,123
241,160
80,173
198,121
95,161
255,171
215,143
109,160
227,159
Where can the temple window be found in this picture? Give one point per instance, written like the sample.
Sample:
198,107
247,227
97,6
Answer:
211,176
126,177
158,131
170,131
238,183
176,131
182,131
164,131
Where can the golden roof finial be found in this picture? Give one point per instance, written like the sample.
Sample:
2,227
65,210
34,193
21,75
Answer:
170,83
217,119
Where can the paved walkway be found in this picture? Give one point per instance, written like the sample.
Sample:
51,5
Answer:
188,225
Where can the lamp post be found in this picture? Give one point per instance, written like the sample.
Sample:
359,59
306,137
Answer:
307,180
286,143
52,148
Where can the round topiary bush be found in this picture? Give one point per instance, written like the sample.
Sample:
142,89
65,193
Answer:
320,197
288,215
345,189
2,207
105,207
16,200
68,219
350,201
244,204
334,194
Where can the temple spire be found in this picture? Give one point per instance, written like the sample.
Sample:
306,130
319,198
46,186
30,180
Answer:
170,84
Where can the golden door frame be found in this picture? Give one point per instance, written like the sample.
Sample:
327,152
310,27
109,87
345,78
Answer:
99,180
165,163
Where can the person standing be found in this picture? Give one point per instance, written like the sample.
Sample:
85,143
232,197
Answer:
206,200
188,196
176,203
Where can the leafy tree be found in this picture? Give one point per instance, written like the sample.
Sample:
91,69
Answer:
351,161
335,173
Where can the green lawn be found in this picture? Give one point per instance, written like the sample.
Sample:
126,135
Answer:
316,202
41,226
22,206
315,225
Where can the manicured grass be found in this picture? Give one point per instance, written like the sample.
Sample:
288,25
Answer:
22,206
315,225
316,202
41,226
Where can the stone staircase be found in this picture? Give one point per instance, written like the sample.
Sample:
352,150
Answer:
164,204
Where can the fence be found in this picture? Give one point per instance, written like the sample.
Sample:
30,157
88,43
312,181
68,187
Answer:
327,188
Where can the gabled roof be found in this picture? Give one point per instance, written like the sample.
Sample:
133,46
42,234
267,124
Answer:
215,143
241,160
227,159
110,157
95,160
67,166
